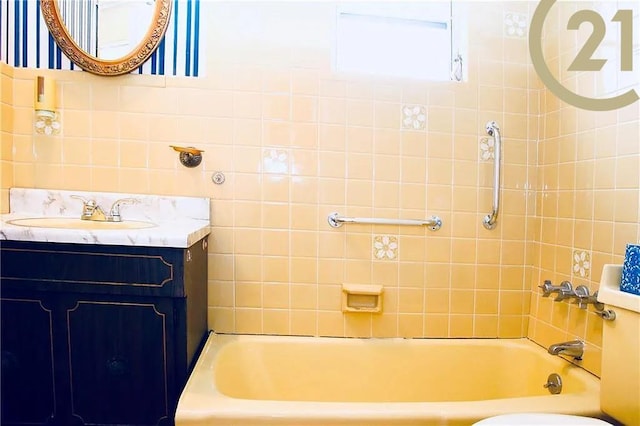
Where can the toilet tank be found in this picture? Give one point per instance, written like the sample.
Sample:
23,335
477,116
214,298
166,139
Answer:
620,381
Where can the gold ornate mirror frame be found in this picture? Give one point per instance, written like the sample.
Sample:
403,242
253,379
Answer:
114,67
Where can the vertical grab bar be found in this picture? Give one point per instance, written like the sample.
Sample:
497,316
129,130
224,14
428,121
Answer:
490,220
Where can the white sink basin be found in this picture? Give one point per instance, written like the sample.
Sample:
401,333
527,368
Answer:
74,223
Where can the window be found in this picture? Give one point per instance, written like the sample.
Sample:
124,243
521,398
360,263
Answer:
395,39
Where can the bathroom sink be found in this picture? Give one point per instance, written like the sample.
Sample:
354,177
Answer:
74,223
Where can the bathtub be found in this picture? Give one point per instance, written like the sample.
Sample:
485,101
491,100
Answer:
277,380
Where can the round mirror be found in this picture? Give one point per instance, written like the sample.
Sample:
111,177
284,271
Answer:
107,37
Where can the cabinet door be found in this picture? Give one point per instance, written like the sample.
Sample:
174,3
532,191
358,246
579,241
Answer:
119,359
28,394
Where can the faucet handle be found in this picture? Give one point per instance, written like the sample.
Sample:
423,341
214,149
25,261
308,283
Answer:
78,197
582,296
87,202
114,212
547,288
565,292
88,206
582,291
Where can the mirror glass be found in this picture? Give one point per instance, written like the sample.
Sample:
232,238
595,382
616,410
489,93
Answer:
106,29
107,37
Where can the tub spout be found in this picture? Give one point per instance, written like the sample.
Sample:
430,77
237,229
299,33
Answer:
574,348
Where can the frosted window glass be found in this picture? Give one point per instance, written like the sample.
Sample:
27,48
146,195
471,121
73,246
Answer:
392,46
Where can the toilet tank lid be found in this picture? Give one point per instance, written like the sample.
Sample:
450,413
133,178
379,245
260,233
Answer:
540,419
610,293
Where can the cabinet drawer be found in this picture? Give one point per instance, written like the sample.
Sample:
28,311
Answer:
143,271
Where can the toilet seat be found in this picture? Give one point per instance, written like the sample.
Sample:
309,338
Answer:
522,419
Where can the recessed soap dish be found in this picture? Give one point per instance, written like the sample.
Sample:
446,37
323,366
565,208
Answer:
361,298
189,156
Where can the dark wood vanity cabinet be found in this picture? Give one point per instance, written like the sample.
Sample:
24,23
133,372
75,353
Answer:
97,334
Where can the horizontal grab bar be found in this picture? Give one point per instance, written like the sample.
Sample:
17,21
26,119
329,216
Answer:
336,221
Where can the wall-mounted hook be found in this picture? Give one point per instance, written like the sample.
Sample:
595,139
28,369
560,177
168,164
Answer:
189,156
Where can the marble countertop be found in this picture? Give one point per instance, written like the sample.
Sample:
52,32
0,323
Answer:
178,221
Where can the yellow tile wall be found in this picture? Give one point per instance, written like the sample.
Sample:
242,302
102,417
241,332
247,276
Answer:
6,135
588,183
297,141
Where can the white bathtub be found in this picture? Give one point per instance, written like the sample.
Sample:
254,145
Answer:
268,380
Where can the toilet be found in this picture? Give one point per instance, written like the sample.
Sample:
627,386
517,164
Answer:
620,374
522,419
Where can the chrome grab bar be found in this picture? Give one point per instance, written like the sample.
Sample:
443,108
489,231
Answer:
490,220
336,221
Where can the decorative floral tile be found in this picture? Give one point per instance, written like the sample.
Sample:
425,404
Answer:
275,161
487,148
48,125
582,263
515,24
414,117
385,247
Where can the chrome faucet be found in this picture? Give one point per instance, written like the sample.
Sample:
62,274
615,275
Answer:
565,293
564,290
583,298
114,212
92,211
574,348
580,295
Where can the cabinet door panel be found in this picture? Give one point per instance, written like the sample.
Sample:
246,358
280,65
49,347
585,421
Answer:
28,394
118,361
